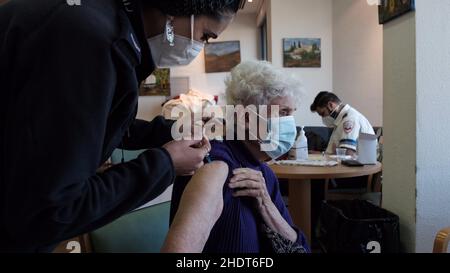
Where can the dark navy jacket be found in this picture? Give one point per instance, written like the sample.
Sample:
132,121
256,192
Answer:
69,79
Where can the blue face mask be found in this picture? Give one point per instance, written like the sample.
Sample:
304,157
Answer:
281,137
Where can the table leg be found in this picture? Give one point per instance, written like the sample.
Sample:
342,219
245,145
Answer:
300,205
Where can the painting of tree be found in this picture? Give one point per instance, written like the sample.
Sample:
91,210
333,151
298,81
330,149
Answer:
302,52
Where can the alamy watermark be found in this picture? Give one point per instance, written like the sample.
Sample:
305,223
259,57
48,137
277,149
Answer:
229,122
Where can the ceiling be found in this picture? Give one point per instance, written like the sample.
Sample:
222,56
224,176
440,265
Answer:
251,8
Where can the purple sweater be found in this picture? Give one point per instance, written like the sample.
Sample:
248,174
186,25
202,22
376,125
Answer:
237,229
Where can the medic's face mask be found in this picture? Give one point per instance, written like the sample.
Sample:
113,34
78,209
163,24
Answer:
328,121
169,49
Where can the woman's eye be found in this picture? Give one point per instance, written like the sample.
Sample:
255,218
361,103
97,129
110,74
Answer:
284,113
207,36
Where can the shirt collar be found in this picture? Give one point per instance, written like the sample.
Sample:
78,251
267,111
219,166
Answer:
133,9
341,114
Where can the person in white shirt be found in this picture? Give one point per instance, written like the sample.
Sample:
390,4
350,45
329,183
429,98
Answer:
346,121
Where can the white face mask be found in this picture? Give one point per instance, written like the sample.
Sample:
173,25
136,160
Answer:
328,121
182,52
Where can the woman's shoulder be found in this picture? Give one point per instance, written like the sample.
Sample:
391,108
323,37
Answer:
265,168
221,150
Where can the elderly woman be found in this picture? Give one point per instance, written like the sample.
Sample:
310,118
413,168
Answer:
251,216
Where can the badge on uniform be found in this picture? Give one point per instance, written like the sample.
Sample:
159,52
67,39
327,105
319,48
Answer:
348,126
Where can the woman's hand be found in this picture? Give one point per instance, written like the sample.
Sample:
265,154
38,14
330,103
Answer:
250,183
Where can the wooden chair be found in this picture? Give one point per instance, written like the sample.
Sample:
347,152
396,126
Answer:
441,241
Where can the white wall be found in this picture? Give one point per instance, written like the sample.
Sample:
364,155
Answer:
399,110
244,29
433,127
357,57
303,19
416,83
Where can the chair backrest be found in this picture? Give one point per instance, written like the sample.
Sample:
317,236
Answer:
441,241
142,231
116,157
318,137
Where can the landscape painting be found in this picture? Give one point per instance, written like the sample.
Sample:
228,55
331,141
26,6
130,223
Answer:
391,9
302,52
157,84
222,56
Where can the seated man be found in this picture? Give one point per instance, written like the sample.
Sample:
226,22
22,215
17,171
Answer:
254,217
346,121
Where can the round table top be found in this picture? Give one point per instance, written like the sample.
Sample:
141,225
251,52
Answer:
339,171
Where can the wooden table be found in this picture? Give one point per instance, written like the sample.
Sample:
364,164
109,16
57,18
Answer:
300,187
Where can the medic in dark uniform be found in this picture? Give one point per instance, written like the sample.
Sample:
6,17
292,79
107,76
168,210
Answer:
69,78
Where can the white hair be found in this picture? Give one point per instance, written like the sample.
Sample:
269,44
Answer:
259,82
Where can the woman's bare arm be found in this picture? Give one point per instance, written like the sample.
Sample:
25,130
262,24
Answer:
200,206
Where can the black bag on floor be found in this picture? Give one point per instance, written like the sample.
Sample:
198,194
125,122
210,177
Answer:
357,227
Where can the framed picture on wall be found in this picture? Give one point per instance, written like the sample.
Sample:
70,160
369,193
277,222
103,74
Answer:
302,52
157,84
391,9
222,56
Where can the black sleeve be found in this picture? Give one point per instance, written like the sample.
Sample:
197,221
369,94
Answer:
145,135
64,79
